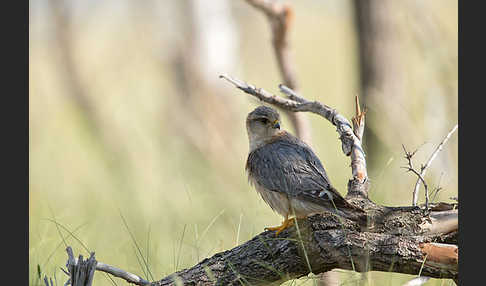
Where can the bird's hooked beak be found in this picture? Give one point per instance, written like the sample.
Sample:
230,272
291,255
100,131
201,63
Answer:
276,124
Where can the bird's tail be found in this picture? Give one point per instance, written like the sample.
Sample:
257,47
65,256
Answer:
354,214
349,211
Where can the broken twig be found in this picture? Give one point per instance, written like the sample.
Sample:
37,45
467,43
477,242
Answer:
423,169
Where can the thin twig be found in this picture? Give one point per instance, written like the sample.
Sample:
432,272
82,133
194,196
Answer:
423,169
410,168
117,272
437,189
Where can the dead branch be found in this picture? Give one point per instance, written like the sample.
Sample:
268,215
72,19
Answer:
408,239
351,144
324,242
81,271
410,168
280,18
423,169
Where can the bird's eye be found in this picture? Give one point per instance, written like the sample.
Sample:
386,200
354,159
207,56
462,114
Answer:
263,120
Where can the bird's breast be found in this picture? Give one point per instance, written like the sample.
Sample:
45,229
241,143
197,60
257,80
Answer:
283,204
279,202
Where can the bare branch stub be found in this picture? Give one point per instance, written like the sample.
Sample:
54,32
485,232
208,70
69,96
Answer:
81,271
440,253
358,158
358,120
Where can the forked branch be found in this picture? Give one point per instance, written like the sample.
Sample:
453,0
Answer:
410,168
350,135
423,169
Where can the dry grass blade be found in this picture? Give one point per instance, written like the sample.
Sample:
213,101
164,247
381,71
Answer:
136,245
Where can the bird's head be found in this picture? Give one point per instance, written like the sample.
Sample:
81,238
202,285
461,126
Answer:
262,124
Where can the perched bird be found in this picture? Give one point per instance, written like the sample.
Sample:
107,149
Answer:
288,175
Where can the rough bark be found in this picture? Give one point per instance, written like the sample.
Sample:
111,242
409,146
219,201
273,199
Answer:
395,241
409,239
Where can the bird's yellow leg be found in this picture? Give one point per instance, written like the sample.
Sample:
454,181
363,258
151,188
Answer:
285,224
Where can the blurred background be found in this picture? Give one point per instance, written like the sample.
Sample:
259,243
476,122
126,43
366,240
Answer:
137,148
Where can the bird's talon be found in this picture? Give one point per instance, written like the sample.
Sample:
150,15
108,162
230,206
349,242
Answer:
285,224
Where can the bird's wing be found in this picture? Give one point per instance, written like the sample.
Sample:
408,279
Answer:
290,166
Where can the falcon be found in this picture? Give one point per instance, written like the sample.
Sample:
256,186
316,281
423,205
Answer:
288,175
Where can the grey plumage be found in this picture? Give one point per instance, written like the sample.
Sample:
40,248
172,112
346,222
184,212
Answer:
286,164
290,177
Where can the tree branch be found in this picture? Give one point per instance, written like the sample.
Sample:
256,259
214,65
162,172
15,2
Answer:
280,17
408,240
323,242
351,144
410,168
328,245
81,272
424,168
